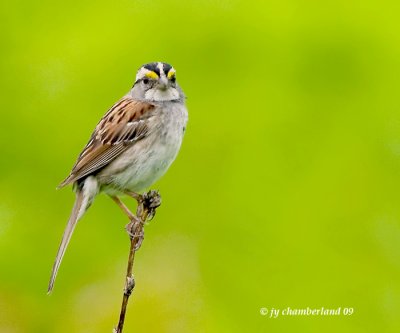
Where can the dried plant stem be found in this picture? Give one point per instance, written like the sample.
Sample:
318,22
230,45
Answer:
147,204
129,285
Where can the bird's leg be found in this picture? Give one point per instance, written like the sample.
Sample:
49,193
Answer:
123,207
138,197
135,227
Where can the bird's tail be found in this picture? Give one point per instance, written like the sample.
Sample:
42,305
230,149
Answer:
83,200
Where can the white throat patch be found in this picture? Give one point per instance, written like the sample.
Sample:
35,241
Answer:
162,95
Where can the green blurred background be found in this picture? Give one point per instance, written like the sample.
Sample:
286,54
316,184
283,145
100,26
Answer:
285,192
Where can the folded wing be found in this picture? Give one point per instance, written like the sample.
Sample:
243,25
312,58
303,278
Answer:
123,125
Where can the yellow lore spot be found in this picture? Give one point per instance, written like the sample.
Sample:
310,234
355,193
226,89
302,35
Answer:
171,74
151,75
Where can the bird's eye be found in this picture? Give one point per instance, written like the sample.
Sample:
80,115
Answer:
145,81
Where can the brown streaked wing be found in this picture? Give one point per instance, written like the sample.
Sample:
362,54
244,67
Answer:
125,123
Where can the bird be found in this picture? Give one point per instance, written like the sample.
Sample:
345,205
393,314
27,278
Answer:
131,147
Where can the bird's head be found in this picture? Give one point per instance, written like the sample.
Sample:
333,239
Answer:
156,81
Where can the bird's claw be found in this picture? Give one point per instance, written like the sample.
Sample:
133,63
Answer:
135,231
150,201
147,205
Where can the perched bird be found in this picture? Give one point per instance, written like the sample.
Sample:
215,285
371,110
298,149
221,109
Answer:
131,147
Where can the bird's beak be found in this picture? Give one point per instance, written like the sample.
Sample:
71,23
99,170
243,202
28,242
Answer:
163,83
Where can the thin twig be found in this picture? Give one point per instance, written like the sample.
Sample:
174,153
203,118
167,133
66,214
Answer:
147,205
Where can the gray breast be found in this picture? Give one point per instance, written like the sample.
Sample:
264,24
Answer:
148,159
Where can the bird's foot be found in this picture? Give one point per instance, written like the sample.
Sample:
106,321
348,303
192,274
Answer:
135,231
146,209
148,204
